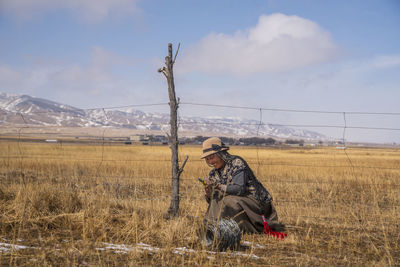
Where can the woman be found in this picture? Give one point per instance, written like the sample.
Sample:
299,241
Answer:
233,192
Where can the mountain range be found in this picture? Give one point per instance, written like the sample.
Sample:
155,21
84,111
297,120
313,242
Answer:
28,110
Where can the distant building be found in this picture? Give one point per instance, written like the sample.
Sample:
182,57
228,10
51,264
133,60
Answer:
139,138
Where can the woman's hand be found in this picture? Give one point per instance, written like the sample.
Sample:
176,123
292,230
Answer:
208,191
220,187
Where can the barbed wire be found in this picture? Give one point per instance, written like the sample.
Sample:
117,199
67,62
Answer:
292,125
292,110
102,139
306,203
224,124
223,106
130,106
258,124
264,180
258,129
344,141
336,203
38,156
337,219
235,124
77,110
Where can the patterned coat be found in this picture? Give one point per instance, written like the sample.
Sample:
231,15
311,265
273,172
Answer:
238,179
240,197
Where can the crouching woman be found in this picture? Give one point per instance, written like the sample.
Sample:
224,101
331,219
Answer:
233,192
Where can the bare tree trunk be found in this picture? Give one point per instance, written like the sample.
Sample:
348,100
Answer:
173,104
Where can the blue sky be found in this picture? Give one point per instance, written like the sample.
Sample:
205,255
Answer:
304,54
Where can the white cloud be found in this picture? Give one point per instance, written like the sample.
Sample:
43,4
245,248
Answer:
93,79
379,62
104,59
90,10
277,43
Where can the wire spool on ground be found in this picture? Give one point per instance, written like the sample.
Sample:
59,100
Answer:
225,235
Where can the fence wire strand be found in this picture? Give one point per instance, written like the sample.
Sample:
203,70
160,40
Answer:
257,123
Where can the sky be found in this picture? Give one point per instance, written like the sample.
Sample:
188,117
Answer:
341,56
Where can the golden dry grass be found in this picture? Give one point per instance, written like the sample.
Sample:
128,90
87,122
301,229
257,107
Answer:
65,202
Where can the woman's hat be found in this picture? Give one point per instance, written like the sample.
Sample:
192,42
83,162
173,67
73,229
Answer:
213,145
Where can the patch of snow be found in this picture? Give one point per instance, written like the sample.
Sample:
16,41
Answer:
250,244
121,248
144,246
5,247
180,250
183,250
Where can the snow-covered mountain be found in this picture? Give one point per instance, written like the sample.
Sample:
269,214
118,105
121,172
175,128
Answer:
24,109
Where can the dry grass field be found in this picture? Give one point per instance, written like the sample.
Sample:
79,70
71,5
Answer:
103,205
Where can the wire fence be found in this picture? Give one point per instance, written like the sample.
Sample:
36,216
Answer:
258,122
103,140
26,130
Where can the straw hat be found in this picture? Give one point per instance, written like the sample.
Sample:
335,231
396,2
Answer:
213,145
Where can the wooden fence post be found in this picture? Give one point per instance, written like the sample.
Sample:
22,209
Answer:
173,104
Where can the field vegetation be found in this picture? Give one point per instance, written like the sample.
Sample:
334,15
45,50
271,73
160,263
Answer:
103,205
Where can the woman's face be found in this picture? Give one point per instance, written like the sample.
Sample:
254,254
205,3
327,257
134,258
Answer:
215,161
